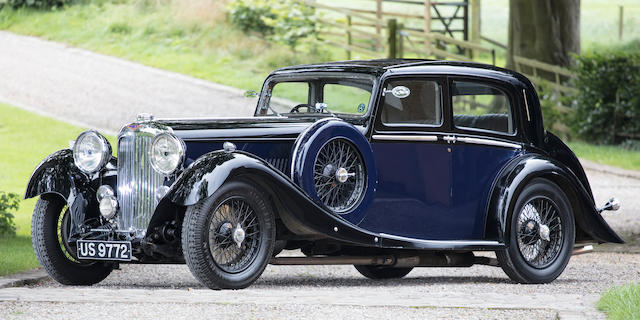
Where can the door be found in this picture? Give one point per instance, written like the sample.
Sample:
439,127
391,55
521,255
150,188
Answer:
484,138
413,195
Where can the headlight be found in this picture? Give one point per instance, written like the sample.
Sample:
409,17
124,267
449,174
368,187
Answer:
166,154
91,151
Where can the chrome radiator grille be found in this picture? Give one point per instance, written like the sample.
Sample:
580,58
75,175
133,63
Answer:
137,181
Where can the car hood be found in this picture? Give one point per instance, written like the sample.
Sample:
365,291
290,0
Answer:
238,128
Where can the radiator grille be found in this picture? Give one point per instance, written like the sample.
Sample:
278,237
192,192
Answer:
137,181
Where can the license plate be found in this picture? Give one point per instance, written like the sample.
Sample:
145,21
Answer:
104,250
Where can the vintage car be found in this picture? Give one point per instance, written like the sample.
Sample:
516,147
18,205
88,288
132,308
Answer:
386,165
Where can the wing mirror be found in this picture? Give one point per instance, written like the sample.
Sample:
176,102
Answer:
251,93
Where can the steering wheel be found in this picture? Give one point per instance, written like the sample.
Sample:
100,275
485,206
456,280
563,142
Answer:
309,107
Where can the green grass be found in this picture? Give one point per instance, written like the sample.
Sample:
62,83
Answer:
26,138
621,302
16,254
609,155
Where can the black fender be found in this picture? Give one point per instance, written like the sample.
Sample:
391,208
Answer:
57,174
518,172
298,212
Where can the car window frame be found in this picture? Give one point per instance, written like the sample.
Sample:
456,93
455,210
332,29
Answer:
380,126
503,88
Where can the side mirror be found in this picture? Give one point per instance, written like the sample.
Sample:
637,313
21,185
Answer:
251,94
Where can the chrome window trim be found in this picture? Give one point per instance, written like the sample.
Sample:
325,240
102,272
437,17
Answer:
489,142
431,138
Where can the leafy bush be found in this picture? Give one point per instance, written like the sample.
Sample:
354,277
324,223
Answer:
608,103
34,3
283,21
8,201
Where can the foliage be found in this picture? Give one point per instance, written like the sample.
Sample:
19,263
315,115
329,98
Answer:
622,302
8,202
40,4
284,21
607,104
550,103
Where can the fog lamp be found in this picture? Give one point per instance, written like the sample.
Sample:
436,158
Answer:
108,206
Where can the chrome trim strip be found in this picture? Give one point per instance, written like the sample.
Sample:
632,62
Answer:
405,137
489,142
526,104
446,243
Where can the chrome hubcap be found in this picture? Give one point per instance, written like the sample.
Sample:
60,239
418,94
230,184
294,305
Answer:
238,236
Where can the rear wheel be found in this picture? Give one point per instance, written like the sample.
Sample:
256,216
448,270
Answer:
228,238
50,227
541,234
379,273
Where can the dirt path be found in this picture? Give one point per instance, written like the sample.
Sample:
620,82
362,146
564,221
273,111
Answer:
103,92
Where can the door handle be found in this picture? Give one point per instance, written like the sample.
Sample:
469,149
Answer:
450,139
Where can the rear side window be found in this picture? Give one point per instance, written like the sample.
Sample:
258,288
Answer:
412,102
479,106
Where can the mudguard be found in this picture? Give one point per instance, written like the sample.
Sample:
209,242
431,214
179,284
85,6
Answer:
523,169
296,209
57,174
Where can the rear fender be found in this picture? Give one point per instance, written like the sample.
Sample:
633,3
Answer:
515,176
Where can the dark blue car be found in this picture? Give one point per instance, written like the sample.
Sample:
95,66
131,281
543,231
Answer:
385,164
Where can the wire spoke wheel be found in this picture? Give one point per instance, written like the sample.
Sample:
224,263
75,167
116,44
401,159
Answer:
339,175
234,235
539,232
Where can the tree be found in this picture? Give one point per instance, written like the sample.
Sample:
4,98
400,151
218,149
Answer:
544,30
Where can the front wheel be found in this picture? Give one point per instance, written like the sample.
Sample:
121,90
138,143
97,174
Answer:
228,238
541,234
50,226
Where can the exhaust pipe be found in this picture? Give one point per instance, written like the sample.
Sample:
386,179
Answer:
582,250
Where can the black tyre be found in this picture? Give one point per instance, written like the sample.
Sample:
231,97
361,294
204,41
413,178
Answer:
541,234
228,238
49,232
379,273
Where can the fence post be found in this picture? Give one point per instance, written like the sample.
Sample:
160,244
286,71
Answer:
378,26
475,25
392,29
620,22
400,49
349,39
427,26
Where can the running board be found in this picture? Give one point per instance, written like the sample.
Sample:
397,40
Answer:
405,260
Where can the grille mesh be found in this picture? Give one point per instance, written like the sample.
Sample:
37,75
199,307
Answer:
137,182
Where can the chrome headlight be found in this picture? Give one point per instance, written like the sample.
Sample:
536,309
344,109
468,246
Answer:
91,151
166,154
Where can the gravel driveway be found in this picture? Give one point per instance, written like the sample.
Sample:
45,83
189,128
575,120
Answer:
40,75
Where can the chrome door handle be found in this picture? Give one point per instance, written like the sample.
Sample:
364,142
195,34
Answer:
450,139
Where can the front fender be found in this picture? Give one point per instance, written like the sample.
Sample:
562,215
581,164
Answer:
523,169
57,174
298,212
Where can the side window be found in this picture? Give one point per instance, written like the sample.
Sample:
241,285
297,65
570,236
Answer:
286,95
481,106
412,101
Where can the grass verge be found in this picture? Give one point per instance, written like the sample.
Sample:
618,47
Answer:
609,155
622,302
26,138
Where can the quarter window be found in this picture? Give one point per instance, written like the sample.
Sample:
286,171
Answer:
412,102
481,107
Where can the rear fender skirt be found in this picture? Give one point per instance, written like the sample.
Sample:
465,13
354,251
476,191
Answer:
518,173
57,174
297,210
